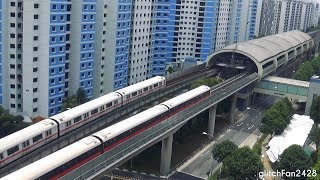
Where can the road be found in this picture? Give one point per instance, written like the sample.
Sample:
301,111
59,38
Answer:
243,133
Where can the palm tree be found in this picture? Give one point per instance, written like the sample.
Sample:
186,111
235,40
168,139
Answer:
314,136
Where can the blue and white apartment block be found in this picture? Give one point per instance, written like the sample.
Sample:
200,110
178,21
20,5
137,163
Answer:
50,49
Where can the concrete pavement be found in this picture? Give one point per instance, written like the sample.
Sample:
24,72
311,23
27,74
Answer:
244,132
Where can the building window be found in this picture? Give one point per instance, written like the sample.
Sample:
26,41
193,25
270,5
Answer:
36,6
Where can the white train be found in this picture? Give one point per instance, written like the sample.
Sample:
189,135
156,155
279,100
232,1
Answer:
69,158
28,139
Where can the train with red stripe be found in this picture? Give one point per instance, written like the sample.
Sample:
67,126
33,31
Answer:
69,158
32,137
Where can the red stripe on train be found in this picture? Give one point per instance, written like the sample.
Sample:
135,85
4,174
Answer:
126,138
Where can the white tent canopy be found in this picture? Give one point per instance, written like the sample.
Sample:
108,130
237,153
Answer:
296,133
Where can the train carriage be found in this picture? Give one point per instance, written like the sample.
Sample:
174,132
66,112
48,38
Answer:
26,140
69,158
78,116
140,89
84,113
122,131
59,163
187,99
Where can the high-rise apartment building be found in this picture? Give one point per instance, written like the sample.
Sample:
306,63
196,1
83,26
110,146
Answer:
0,51
48,51
286,15
51,48
82,41
238,21
112,48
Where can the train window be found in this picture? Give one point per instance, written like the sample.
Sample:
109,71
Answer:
1,156
101,108
128,96
68,123
13,150
108,105
25,144
86,115
134,94
150,87
140,91
37,138
77,119
115,102
94,111
156,85
145,89
48,133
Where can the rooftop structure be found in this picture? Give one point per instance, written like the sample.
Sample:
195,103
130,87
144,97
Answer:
265,54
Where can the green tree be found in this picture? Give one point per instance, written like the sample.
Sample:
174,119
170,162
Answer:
272,122
170,70
81,96
222,150
243,164
308,69
314,136
10,123
292,159
206,81
74,100
277,117
316,169
315,109
69,102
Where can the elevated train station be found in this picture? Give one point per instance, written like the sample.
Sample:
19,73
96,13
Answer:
246,63
264,55
277,55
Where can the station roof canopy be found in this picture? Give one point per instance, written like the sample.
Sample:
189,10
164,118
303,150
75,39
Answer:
269,46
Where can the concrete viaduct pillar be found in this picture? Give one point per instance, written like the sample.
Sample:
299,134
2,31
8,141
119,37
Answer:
233,108
166,151
212,119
